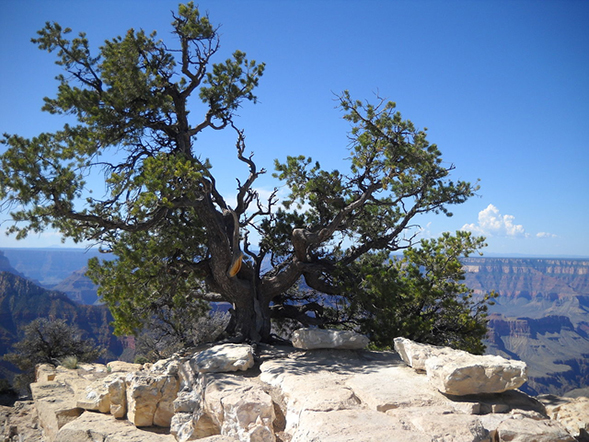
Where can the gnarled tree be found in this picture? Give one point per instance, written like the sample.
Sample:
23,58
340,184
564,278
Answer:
164,216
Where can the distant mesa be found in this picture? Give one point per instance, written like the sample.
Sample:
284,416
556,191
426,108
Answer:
540,317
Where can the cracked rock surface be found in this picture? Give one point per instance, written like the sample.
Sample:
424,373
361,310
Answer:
285,394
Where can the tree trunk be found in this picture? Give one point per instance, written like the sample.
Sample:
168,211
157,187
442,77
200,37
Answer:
252,319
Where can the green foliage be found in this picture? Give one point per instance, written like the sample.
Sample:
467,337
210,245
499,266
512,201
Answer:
178,241
395,175
420,296
130,102
140,288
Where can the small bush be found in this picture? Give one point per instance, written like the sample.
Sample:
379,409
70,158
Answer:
70,362
141,360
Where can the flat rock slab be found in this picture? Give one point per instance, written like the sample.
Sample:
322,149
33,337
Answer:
527,430
386,388
441,425
353,426
121,366
92,427
304,386
56,406
312,338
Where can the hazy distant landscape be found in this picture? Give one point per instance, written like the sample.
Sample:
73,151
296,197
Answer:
49,266
541,315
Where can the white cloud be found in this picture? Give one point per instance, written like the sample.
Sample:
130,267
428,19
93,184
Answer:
492,223
546,235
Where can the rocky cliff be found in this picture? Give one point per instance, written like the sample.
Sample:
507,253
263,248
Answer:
79,287
5,266
265,394
22,301
540,317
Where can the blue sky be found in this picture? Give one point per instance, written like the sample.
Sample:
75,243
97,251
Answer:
502,86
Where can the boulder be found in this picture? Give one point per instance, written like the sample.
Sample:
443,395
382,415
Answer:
106,395
460,373
313,338
150,398
457,372
223,358
96,397
415,354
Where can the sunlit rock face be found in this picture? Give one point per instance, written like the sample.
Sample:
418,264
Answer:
460,373
289,394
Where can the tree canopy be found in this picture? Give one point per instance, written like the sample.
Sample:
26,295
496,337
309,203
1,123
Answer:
139,107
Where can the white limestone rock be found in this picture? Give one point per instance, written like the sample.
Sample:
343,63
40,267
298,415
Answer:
238,407
223,358
312,383
124,367
95,398
165,407
460,373
457,372
355,425
386,388
190,420
527,430
92,427
105,395
56,406
45,372
311,396
150,398
439,424
415,354
248,415
311,338
572,414
118,396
